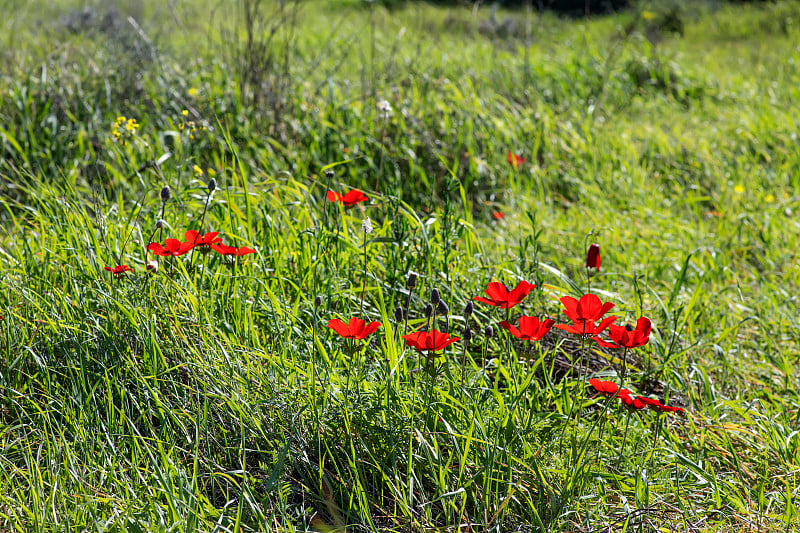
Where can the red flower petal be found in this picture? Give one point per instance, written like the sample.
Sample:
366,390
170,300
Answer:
339,327
353,197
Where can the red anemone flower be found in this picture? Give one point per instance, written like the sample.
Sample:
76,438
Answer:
204,242
354,329
118,270
499,295
514,160
351,198
530,329
627,336
657,406
588,309
171,247
498,215
630,401
593,258
223,249
429,340
606,388
587,327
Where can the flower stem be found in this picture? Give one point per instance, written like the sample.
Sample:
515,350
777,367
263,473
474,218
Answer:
408,308
364,284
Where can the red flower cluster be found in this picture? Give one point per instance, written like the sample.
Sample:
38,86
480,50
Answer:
350,198
118,270
194,239
609,389
500,296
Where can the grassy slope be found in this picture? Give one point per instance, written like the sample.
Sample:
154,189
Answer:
186,401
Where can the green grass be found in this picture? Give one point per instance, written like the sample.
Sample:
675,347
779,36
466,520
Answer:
211,396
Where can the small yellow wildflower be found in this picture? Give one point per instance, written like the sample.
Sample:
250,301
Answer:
211,172
197,170
124,128
193,92
648,15
185,112
769,198
738,189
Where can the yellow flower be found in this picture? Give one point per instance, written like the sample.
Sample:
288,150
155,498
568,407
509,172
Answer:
648,15
185,112
769,198
738,189
197,170
211,172
193,92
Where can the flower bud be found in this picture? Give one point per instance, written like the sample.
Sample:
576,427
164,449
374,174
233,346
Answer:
428,310
166,192
398,313
467,333
412,279
160,223
435,296
469,308
593,258
317,301
329,174
152,267
489,332
443,308
212,185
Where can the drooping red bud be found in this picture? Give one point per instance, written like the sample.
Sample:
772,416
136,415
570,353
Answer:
593,257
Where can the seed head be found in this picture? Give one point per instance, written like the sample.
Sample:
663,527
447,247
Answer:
428,310
469,308
166,192
435,296
412,279
367,226
329,174
212,184
152,267
489,332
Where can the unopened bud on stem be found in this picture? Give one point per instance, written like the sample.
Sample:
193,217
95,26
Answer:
435,296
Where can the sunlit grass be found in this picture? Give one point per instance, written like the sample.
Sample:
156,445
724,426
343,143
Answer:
212,395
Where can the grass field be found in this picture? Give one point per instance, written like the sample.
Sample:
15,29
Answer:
211,395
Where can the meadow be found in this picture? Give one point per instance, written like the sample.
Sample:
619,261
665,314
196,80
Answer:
192,194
